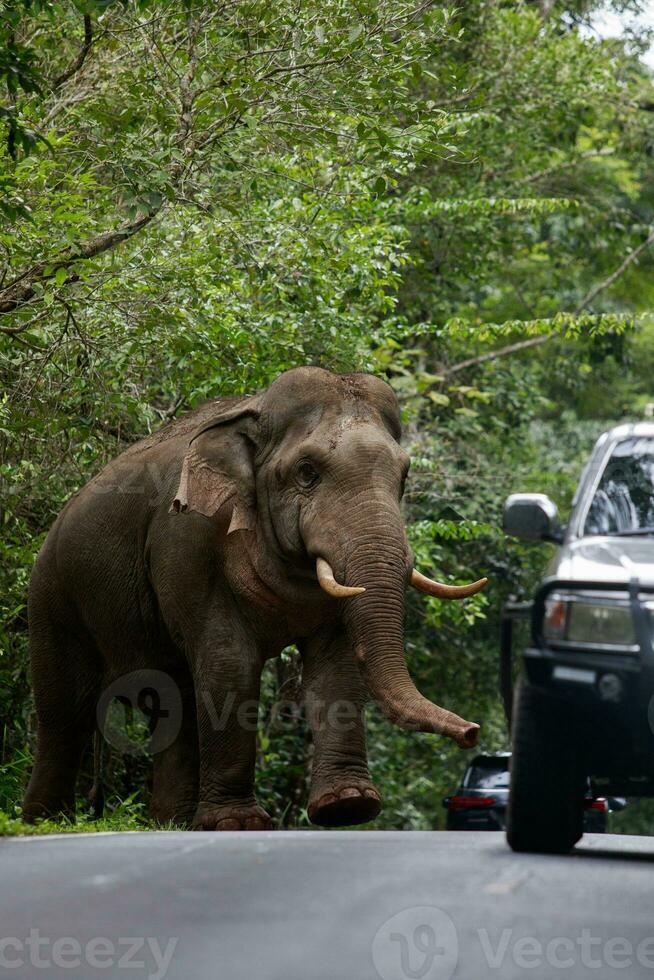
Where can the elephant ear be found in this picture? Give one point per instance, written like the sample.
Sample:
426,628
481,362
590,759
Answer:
218,466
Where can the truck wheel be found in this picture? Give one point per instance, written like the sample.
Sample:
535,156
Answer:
547,787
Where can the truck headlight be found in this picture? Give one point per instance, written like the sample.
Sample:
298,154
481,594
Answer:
587,619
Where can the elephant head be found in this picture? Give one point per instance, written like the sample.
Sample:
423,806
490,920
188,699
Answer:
314,465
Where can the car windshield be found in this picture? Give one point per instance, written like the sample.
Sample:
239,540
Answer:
493,775
624,498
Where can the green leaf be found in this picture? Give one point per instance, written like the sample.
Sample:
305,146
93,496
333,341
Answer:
438,398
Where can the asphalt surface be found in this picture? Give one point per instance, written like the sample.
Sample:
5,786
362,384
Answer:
323,906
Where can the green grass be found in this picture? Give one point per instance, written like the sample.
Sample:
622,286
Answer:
13,775
124,815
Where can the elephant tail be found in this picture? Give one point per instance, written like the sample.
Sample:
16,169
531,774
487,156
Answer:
96,795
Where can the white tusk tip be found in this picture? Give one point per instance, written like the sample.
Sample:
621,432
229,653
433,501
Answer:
329,584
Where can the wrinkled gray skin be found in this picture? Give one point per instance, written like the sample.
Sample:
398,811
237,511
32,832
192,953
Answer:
208,589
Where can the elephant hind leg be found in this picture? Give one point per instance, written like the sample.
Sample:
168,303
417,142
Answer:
66,677
51,789
175,774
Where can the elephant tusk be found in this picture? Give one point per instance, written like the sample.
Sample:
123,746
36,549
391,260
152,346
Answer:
329,583
440,591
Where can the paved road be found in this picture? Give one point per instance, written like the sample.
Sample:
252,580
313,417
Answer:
323,906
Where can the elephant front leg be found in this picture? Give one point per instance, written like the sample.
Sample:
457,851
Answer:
342,792
227,698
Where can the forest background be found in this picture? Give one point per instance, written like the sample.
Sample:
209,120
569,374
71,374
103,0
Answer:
196,197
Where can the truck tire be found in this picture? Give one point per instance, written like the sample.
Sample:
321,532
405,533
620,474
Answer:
547,784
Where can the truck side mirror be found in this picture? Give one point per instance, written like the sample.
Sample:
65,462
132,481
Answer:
532,517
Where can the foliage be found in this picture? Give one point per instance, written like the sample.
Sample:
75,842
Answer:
126,816
194,199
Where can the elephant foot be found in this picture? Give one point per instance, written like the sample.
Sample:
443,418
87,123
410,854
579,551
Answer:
246,817
34,811
164,812
344,805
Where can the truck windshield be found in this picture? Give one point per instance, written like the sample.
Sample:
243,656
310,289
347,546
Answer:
624,498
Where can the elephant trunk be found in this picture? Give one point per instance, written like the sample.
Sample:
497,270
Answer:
374,620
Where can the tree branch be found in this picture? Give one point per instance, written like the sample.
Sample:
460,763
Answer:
563,165
19,328
537,341
616,275
302,67
545,8
23,288
81,57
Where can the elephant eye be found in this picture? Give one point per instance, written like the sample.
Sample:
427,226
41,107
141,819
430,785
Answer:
307,475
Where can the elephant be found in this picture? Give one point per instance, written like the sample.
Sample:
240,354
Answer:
247,525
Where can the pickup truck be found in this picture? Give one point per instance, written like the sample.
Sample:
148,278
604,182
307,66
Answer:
584,704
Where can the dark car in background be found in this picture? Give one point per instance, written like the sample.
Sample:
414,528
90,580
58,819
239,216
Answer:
584,705
480,802
481,799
